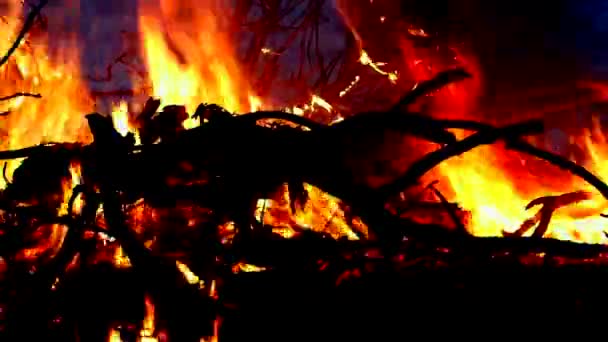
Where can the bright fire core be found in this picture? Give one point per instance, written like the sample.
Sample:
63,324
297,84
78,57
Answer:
190,59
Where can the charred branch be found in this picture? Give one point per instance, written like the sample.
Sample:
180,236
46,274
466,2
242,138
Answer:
425,88
550,204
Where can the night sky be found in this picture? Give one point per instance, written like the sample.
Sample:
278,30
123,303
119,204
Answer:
591,17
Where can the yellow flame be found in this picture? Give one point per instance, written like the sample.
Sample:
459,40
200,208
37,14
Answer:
122,124
318,101
57,115
120,258
350,86
500,206
120,117
114,336
315,102
255,103
321,213
147,331
207,71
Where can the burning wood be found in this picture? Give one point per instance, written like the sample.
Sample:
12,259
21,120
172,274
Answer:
214,178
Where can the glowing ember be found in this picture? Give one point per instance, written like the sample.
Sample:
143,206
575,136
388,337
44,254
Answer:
191,278
365,59
350,86
120,258
242,267
316,102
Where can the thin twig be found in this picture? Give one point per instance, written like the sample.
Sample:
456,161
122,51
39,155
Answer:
27,25
4,174
15,95
450,210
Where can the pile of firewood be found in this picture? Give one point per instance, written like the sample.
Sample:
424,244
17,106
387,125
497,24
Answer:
205,167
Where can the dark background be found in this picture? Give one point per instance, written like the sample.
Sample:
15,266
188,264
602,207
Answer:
522,43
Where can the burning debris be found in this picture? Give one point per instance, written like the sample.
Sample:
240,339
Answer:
114,172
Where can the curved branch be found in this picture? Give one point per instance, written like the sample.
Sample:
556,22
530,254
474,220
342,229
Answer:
439,81
410,123
429,161
562,163
524,147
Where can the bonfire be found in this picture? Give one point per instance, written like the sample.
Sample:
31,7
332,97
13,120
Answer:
181,212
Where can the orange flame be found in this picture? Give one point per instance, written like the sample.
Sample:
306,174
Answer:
189,57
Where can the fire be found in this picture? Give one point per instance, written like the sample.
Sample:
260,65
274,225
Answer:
120,258
493,184
147,331
499,203
120,118
57,114
365,59
322,213
56,233
316,103
122,124
189,57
